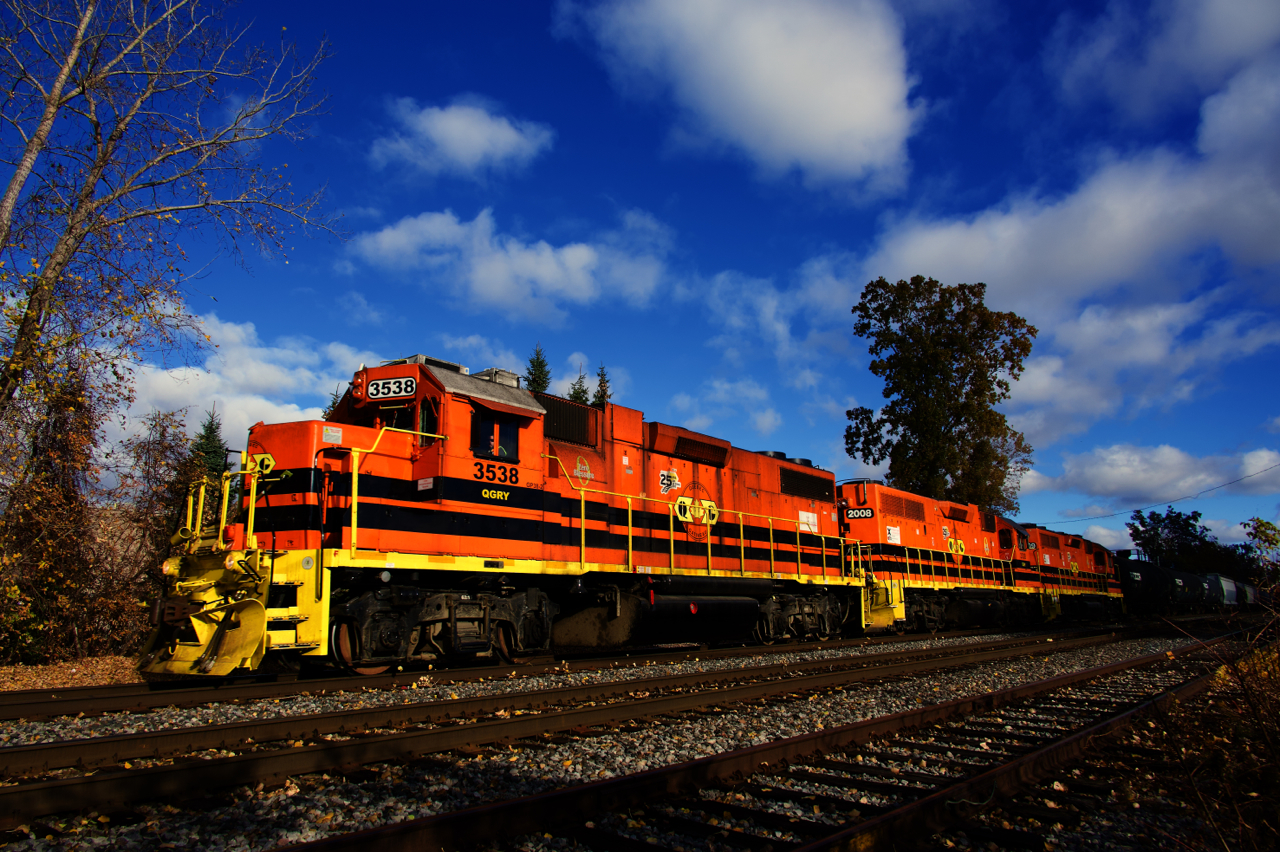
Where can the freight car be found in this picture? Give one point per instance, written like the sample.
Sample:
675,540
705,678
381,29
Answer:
440,516
1152,590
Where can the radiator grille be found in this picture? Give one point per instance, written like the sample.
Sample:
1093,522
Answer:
700,451
1050,541
568,421
807,485
892,504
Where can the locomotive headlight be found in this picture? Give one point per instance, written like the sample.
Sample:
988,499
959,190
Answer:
308,563
385,576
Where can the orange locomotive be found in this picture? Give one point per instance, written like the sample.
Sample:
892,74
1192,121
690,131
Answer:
443,516
938,563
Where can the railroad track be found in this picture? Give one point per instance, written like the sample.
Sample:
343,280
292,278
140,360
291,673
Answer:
870,785
102,773
94,700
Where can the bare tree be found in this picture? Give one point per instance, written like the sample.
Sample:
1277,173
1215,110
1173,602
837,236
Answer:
128,123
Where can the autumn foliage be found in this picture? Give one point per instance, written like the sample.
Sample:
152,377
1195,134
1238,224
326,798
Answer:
84,532
947,361
129,127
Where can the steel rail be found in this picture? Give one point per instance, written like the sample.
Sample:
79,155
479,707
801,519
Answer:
92,700
498,821
111,789
95,751
933,811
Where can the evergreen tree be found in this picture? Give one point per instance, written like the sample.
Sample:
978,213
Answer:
537,377
603,393
578,390
208,450
334,399
947,360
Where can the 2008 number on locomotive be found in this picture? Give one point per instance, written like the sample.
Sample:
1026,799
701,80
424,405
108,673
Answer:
386,388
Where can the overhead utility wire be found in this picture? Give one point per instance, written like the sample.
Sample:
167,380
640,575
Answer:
1169,502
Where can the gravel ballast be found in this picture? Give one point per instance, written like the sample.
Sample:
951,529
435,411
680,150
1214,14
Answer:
19,732
312,807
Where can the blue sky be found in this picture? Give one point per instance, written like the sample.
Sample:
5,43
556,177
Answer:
693,193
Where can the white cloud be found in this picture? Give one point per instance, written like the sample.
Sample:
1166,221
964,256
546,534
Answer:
1128,223
827,407
1111,272
1112,359
356,309
249,380
1263,468
1144,60
1125,473
1093,510
1120,228
1273,425
812,86
465,139
766,422
720,400
1226,531
481,353
361,212
522,279
1033,481
1109,538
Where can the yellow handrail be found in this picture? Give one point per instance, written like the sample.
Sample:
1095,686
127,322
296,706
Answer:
248,467
355,472
670,504
249,540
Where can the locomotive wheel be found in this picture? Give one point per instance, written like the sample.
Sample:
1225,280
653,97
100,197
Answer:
343,645
758,633
502,646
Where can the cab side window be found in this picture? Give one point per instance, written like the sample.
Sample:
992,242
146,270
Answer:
1006,539
428,420
494,435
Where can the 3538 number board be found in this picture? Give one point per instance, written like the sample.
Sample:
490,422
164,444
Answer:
389,388
491,472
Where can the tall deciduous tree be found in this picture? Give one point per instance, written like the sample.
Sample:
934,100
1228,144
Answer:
947,360
1169,539
602,394
537,376
578,390
45,572
129,123
1264,542
1178,540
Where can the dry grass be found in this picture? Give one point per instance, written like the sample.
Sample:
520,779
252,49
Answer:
1227,745
90,671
